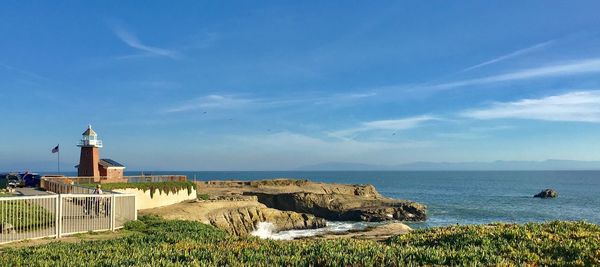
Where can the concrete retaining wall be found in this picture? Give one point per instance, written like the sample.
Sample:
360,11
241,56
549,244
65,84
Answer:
143,200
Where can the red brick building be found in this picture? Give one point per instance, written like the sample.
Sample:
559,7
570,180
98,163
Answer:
111,169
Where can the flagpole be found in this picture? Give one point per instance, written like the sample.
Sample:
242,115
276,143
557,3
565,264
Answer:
58,162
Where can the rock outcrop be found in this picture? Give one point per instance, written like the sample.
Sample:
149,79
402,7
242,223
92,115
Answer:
237,215
243,221
547,193
345,207
377,233
229,187
340,202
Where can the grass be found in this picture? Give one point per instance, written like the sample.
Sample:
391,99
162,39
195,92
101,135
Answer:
163,187
152,241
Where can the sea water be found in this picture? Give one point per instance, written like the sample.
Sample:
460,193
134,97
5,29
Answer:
462,197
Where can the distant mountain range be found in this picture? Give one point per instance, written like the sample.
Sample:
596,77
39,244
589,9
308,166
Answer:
550,164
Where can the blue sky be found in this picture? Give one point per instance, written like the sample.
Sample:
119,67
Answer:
228,85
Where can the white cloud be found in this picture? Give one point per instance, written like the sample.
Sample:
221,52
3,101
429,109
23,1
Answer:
510,55
390,125
131,40
585,66
212,102
580,106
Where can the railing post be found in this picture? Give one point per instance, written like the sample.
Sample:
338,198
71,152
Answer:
112,212
134,209
58,215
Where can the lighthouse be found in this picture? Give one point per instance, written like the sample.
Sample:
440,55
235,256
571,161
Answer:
90,163
90,154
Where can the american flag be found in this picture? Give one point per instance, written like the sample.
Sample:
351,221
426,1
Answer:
55,150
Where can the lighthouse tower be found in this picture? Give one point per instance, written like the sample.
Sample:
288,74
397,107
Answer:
90,154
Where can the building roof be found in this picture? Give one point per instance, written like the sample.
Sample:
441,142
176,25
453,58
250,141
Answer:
110,163
89,131
107,163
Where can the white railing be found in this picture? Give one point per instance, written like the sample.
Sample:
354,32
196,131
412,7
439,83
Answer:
130,179
92,142
35,217
59,187
27,217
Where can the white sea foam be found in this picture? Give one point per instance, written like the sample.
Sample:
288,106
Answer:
264,230
267,230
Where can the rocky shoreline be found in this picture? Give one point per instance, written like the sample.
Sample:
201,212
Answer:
238,206
377,233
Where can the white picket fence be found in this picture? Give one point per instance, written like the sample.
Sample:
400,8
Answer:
33,217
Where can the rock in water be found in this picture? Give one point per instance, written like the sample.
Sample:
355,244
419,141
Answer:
547,193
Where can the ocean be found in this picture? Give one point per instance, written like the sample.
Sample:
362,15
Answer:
460,197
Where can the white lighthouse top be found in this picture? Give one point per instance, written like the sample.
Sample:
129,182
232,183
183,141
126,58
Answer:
90,138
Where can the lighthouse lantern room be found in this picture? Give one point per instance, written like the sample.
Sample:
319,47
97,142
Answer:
90,138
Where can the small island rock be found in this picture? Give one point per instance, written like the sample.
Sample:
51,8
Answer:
547,193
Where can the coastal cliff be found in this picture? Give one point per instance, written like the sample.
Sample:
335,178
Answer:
338,202
340,207
239,206
237,216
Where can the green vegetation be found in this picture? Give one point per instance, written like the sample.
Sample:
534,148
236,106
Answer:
23,215
162,187
203,196
279,182
152,241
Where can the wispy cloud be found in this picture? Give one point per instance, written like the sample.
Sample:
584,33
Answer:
212,102
580,106
390,125
235,101
131,40
513,54
585,66
23,72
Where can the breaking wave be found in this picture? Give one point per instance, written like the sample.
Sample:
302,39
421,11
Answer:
267,230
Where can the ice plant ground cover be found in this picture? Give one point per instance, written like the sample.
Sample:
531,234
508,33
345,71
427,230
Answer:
152,241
